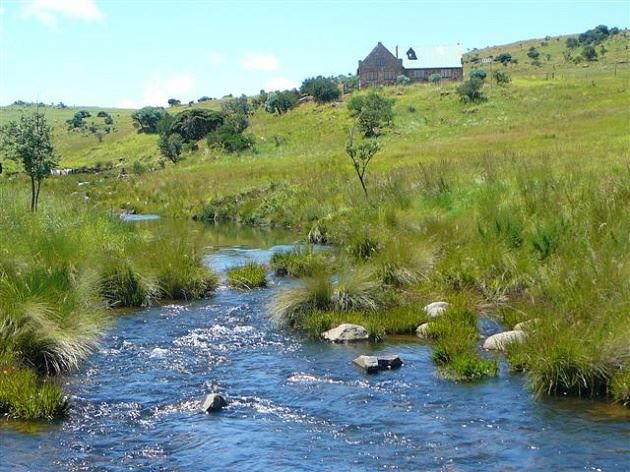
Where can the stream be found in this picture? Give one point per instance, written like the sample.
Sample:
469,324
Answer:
295,404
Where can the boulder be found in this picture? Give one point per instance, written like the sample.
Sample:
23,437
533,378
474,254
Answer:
436,309
500,341
346,333
213,402
525,325
422,331
389,362
368,363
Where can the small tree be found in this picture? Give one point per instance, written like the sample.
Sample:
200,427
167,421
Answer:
572,43
372,111
479,74
471,90
533,53
402,80
171,146
504,58
501,77
281,102
589,53
435,78
29,142
174,102
361,154
146,119
322,89
195,123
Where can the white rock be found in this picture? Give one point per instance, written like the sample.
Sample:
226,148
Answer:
422,331
346,333
500,341
367,363
213,402
436,309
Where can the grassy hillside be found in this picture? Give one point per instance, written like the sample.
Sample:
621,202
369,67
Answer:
514,207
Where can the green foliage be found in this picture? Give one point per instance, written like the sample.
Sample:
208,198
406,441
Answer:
123,286
372,112
171,146
403,80
470,90
349,82
322,89
435,78
504,58
174,102
281,102
76,122
620,385
24,396
300,262
478,74
195,124
28,141
361,154
229,136
501,77
248,276
589,53
596,35
147,119
572,42
533,53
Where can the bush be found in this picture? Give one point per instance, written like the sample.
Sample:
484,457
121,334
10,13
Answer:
195,124
435,78
372,111
322,89
478,74
147,119
501,77
229,139
248,276
171,146
572,43
504,58
281,102
589,53
533,53
470,90
403,80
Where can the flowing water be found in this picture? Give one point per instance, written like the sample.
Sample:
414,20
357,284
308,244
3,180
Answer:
295,404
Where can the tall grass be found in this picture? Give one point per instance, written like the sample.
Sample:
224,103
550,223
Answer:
248,276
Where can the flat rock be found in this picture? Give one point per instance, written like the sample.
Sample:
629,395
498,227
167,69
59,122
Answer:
389,362
368,363
422,331
500,341
346,333
436,309
213,402
525,325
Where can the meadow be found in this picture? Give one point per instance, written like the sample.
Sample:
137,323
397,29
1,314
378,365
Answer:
515,208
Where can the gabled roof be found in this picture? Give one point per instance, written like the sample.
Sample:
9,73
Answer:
380,49
435,56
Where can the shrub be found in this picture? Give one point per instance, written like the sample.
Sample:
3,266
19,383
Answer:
501,77
228,138
435,78
147,119
470,90
281,102
248,276
171,146
403,80
589,53
572,43
478,74
504,58
195,124
372,111
322,89
533,53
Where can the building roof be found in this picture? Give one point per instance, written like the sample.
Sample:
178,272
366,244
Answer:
433,56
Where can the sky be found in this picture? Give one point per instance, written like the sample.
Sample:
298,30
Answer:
132,53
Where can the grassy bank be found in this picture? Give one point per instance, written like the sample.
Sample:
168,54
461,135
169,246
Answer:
60,269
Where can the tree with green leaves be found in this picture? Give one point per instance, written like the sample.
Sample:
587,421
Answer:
435,78
372,111
361,155
589,53
28,141
146,119
281,102
471,90
501,77
322,89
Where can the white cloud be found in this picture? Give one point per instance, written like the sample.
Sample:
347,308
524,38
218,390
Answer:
280,83
216,58
160,89
48,11
260,61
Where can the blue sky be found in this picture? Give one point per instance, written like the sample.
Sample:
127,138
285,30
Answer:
133,53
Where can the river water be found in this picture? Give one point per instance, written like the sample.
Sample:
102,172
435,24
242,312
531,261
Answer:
295,404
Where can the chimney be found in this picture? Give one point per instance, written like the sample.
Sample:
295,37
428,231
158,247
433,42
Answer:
396,52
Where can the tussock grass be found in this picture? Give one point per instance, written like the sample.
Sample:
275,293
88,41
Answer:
301,262
248,276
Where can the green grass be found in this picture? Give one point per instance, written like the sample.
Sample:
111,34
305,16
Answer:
248,276
301,262
518,203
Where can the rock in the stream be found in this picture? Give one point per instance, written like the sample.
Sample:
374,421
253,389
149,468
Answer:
525,325
389,362
422,331
436,309
500,341
213,402
367,363
346,333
